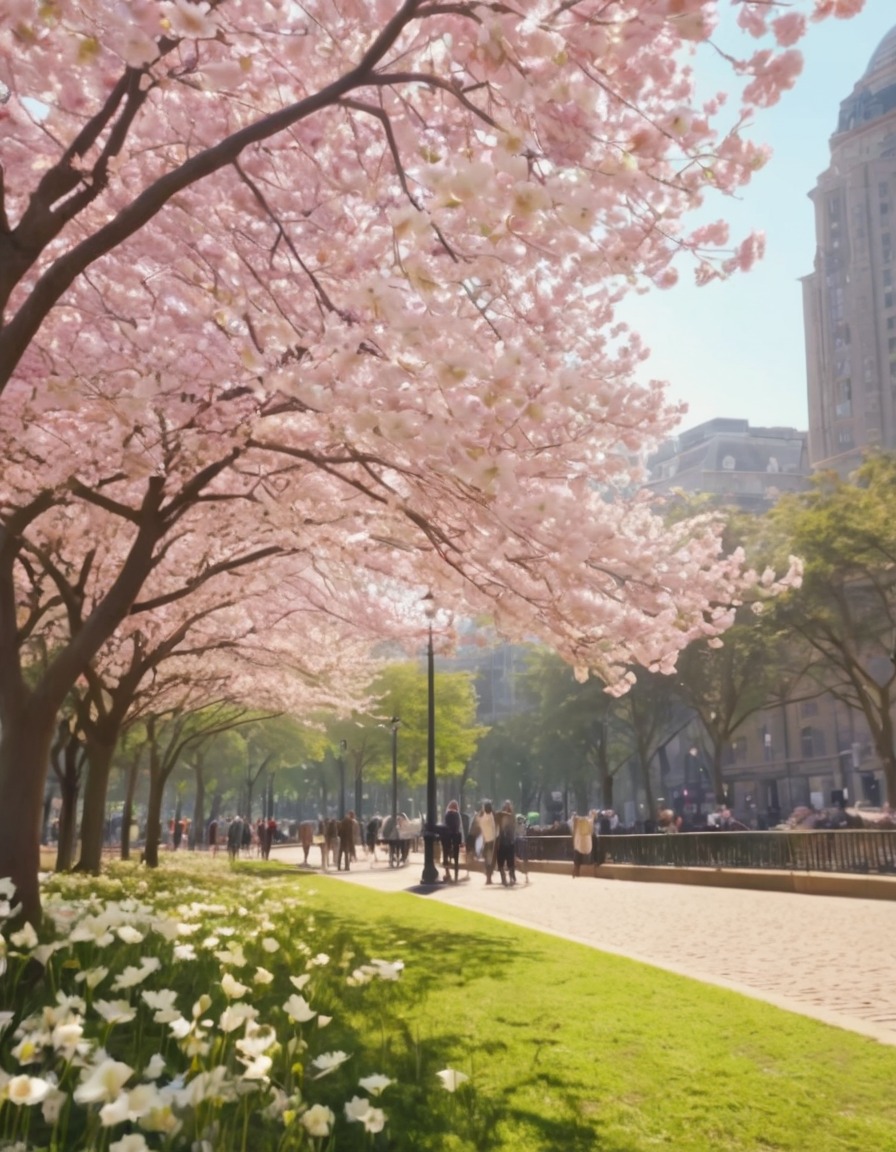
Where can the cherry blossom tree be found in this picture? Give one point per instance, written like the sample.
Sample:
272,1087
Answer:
357,265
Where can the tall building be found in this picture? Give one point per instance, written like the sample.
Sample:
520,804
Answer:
848,301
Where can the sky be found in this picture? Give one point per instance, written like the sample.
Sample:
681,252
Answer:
736,349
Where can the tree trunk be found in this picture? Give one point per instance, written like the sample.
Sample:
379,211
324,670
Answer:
127,815
154,820
197,830
93,817
69,786
606,788
24,759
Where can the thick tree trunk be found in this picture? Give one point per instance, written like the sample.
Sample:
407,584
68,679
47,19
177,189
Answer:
24,760
93,817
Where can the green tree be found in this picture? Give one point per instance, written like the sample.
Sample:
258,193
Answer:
401,690
845,611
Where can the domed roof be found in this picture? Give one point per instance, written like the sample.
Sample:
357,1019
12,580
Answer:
874,97
884,55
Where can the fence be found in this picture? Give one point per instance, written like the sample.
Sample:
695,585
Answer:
847,850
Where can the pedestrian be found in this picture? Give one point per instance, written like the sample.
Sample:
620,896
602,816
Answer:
506,839
582,841
485,818
235,837
370,836
212,836
451,839
346,841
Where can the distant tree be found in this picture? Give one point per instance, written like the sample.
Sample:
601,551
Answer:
845,532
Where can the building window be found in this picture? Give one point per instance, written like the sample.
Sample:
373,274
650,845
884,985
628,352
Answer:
807,745
888,278
809,708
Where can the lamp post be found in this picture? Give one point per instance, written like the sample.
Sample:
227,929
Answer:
393,725
430,872
340,762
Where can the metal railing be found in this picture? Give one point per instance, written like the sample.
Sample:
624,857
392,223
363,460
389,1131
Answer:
846,850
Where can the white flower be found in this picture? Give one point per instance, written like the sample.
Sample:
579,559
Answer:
51,1109
133,1142
388,970
232,988
92,976
67,1037
375,1084
257,1040
154,1068
162,1002
451,1079
298,1009
328,1062
131,976
132,1105
299,982
115,1011
102,1082
26,937
235,1015
184,952
269,944
262,976
323,1021
357,1108
5,1021
257,1068
375,1120
319,961
233,955
129,934
318,1120
26,1089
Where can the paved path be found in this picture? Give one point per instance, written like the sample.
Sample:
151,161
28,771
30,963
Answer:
832,958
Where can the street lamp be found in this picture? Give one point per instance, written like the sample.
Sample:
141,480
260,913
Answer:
393,725
340,762
430,872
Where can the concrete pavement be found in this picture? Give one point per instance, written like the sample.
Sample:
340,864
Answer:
828,957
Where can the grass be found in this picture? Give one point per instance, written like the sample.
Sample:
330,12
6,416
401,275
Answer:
567,1049
573,1049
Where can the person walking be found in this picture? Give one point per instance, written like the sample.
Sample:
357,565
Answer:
346,849
506,840
485,819
451,839
582,842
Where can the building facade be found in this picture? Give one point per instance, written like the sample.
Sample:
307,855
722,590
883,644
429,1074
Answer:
748,468
849,300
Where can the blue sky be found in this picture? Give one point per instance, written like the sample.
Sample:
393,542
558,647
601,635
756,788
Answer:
736,349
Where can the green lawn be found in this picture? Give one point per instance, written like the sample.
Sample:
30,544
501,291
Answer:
569,1048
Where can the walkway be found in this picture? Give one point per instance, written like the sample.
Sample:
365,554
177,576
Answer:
827,957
